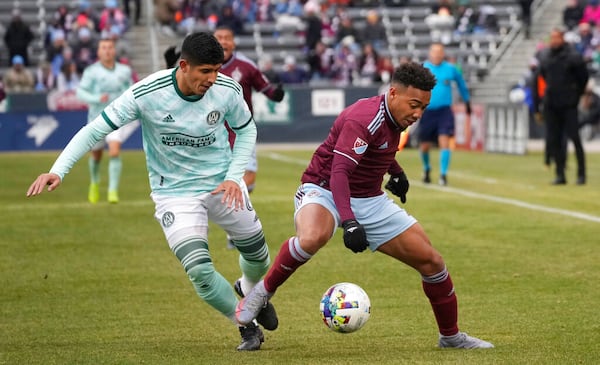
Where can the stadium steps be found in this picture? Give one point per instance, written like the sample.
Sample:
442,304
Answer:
514,60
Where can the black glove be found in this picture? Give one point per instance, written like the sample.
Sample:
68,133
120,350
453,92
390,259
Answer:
171,56
398,185
468,107
355,237
278,93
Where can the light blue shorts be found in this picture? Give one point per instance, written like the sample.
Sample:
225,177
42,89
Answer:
382,218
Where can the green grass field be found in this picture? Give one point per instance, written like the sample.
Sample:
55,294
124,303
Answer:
97,284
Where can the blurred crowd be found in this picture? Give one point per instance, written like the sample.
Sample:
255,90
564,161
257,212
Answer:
70,45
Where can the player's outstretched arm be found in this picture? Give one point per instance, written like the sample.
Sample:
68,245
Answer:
37,187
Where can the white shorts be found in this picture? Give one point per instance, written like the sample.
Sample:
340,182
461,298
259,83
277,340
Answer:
182,218
382,218
120,135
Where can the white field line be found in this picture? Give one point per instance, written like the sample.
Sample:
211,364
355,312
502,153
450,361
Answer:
470,194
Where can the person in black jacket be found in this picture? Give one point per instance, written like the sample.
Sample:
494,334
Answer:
566,76
17,38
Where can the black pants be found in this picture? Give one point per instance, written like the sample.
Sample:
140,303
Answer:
563,124
138,8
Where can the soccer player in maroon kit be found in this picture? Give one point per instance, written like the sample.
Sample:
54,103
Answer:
243,70
342,187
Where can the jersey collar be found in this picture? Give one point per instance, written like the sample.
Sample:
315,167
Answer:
388,115
181,95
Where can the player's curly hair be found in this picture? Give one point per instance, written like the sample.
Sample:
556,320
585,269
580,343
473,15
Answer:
415,75
202,48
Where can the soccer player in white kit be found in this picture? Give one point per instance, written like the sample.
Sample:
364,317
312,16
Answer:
101,83
194,174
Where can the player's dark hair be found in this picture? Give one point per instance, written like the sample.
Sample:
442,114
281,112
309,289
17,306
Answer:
225,27
202,49
415,75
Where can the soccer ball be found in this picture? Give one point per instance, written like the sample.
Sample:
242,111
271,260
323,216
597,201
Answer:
345,307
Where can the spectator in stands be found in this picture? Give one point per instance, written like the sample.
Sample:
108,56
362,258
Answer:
230,20
18,79
112,19
313,25
288,15
135,77
320,61
442,4
84,49
2,97
374,31
245,10
486,20
385,69
86,17
44,78
348,33
345,65
586,41
68,79
441,24
63,19
164,12
138,10
265,65
292,73
526,16
54,51
589,109
566,75
572,14
17,37
591,12
367,65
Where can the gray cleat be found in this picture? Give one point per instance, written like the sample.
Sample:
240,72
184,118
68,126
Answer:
463,341
252,304
267,317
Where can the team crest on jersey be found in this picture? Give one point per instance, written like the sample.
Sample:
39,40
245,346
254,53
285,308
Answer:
168,219
313,194
213,117
236,74
360,146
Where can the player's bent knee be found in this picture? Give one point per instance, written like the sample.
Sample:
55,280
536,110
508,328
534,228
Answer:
201,273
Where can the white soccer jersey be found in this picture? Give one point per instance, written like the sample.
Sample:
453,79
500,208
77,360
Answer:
98,80
184,137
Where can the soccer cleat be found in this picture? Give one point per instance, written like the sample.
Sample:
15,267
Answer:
443,180
560,180
252,337
463,341
426,177
267,317
252,304
94,193
113,196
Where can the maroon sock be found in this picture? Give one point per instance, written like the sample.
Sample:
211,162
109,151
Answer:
289,258
440,291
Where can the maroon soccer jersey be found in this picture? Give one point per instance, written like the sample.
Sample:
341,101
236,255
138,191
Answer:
359,150
243,70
